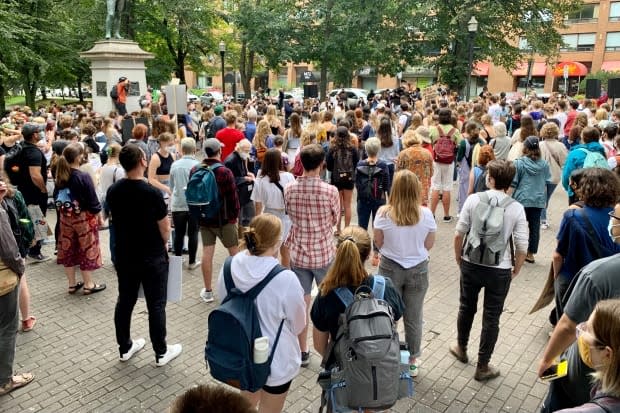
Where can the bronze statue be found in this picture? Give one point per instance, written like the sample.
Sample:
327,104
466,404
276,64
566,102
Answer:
113,18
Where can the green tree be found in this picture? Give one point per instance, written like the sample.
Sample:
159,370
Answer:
501,24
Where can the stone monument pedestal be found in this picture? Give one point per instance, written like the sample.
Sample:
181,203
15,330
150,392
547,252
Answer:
111,59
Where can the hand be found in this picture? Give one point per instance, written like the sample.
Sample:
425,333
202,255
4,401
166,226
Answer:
458,259
515,272
542,366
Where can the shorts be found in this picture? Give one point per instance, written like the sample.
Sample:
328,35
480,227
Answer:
442,176
281,389
306,275
226,233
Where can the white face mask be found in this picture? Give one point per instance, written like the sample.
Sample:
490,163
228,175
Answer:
244,155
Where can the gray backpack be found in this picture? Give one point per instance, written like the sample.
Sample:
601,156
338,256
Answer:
367,374
486,242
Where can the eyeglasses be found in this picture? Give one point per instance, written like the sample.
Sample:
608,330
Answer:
582,328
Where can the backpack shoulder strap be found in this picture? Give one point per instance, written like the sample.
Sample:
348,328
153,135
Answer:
451,132
254,291
230,284
484,197
345,296
378,286
506,201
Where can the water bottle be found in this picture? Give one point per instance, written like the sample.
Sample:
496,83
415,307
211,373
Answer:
404,356
261,350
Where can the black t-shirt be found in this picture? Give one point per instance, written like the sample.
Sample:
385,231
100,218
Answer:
2,151
136,207
326,310
31,155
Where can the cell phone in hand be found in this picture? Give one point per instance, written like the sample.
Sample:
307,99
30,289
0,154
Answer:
555,371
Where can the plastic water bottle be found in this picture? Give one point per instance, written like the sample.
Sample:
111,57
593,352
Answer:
261,350
404,356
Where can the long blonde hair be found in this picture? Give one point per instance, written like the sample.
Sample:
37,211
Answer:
262,132
606,326
348,267
403,205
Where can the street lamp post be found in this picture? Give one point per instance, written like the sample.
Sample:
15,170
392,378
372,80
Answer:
472,28
222,54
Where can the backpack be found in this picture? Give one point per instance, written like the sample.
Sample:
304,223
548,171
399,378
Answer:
202,193
485,243
594,159
407,123
367,373
233,327
11,163
343,167
210,129
444,147
369,182
298,167
114,92
480,184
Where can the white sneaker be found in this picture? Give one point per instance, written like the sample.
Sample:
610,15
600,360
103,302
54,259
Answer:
193,265
173,352
207,296
544,225
414,368
136,346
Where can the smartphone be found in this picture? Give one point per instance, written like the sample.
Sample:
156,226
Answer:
556,371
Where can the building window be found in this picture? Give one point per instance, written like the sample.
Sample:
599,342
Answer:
613,42
523,44
582,42
614,11
587,14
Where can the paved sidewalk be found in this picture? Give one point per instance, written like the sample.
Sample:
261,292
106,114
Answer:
74,356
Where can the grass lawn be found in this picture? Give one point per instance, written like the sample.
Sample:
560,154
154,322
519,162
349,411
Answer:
21,100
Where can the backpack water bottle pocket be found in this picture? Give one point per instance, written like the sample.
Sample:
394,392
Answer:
337,393
405,383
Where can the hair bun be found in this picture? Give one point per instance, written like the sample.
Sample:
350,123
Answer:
250,240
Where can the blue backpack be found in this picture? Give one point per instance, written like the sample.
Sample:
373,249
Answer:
594,159
202,194
233,327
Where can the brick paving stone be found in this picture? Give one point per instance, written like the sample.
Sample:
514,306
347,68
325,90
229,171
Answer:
74,356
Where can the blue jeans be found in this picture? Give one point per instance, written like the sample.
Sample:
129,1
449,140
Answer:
366,208
411,284
550,188
9,322
533,222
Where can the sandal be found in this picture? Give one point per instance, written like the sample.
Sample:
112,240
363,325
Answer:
15,382
73,288
28,324
94,289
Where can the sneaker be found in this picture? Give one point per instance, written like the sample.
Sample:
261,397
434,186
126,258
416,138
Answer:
173,352
414,368
544,225
485,373
28,324
136,345
305,359
38,258
447,219
207,296
530,258
459,353
193,265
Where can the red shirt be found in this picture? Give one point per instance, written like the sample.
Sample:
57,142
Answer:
229,137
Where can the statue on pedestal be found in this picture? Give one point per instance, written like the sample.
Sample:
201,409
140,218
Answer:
113,17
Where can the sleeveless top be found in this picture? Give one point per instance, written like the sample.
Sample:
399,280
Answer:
164,164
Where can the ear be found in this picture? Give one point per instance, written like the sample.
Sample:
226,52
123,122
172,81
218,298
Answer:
608,354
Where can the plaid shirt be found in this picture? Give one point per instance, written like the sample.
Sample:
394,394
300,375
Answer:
314,207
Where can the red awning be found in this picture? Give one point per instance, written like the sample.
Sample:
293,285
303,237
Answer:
574,69
480,69
611,66
538,69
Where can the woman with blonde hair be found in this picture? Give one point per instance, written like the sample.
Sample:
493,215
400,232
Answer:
327,123
78,208
292,136
347,271
280,303
404,231
263,140
274,121
316,128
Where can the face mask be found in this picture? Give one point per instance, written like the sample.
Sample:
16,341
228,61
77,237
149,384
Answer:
244,155
585,352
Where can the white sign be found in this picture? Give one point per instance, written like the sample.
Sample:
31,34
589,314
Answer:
566,72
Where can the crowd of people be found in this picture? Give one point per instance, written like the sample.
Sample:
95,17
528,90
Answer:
288,175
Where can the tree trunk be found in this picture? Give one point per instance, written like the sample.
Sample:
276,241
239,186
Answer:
30,88
44,93
246,69
79,90
2,95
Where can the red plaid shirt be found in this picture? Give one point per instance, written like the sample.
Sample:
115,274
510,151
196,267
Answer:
314,207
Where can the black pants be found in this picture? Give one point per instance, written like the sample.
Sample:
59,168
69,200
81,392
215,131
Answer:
152,273
496,283
184,222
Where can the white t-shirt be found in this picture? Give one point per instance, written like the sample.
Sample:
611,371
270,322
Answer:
268,193
281,299
108,175
561,117
405,244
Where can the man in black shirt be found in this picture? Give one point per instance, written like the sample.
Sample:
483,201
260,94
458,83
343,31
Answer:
32,176
141,257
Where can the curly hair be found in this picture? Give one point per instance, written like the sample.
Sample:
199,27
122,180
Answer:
485,155
598,188
549,131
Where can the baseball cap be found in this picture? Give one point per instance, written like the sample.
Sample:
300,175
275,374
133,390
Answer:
122,79
212,146
531,142
30,129
218,110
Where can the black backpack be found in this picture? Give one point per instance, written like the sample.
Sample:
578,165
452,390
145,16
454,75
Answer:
114,92
11,163
210,129
343,166
407,123
369,182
